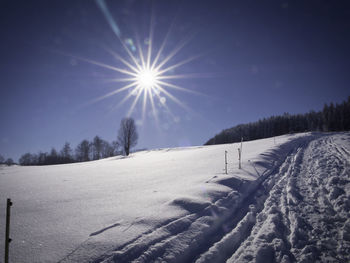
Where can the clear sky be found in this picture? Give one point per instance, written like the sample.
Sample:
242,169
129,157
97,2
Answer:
255,59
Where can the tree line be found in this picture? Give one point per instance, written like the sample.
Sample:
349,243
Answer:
7,161
331,118
84,151
87,150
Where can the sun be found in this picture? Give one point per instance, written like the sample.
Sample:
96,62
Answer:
147,78
148,74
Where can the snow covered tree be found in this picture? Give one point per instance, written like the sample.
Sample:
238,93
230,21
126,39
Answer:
127,134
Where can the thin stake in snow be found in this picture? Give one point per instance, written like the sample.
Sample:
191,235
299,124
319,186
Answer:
7,234
240,154
239,158
225,162
241,144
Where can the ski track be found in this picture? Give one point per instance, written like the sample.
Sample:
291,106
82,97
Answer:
296,211
306,216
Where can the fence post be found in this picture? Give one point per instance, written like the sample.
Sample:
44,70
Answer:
240,153
225,162
7,235
239,158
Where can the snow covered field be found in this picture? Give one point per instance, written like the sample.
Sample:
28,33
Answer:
289,203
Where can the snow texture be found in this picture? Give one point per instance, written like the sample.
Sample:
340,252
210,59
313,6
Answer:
289,203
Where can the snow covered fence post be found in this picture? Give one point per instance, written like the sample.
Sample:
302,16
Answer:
7,235
225,162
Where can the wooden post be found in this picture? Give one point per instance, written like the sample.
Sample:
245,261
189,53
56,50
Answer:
239,158
7,235
225,162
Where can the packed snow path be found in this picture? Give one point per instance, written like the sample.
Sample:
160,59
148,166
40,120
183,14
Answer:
297,212
305,217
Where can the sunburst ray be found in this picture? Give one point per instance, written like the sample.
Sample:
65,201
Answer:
169,85
118,57
134,102
147,72
114,92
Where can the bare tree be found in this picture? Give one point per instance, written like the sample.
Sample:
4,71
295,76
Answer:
42,158
66,153
53,157
97,148
107,149
9,162
83,151
127,134
115,148
2,159
26,159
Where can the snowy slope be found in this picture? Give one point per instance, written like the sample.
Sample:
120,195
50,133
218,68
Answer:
289,202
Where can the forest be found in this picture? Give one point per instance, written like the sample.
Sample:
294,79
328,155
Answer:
332,118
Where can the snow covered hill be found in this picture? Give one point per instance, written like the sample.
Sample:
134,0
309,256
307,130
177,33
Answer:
289,203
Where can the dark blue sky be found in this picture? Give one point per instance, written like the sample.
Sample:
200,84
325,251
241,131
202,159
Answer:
258,58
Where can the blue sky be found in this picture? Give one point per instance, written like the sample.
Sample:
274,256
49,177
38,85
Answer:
256,60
